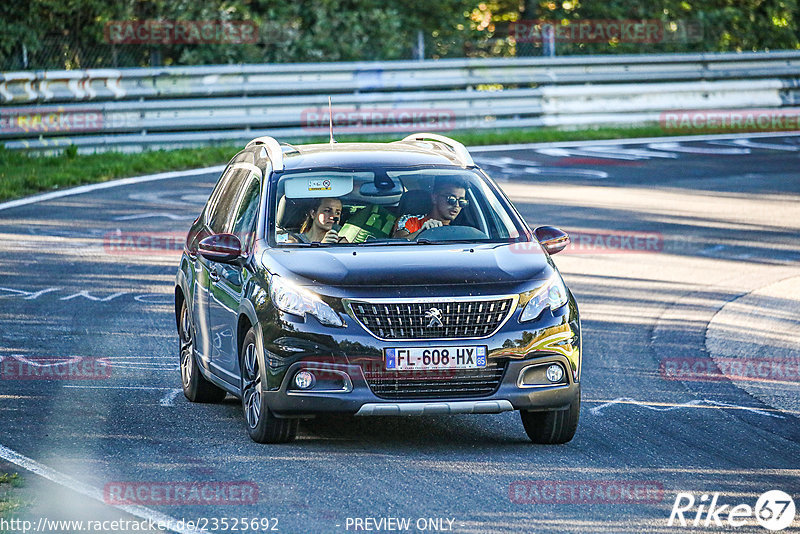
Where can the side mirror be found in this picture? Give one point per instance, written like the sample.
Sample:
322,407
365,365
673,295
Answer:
552,239
222,248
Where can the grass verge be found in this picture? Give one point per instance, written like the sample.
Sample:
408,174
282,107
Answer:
22,175
8,503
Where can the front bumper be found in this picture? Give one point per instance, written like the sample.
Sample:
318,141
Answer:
357,398
292,344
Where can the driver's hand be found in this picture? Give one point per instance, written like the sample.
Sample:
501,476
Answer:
331,237
431,223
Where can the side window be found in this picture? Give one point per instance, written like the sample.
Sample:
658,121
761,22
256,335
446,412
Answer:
221,184
247,210
224,202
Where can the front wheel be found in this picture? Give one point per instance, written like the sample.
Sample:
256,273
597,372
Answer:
552,427
195,387
262,425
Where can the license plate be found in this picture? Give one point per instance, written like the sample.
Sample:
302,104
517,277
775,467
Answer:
404,359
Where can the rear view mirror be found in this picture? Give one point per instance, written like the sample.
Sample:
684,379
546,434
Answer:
381,186
222,248
553,239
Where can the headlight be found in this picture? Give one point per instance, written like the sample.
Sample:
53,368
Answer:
289,298
552,293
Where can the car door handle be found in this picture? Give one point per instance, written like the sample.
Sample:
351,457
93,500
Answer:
214,275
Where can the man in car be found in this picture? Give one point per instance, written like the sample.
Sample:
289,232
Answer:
448,197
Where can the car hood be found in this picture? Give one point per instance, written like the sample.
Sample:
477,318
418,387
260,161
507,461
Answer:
410,265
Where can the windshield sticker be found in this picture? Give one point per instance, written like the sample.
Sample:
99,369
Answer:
319,185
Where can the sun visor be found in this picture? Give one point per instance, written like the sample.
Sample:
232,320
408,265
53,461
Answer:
322,184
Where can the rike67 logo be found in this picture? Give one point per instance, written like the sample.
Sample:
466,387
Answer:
774,510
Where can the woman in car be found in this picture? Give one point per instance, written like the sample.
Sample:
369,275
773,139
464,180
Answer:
318,226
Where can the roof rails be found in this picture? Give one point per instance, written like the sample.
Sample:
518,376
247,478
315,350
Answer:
274,150
461,153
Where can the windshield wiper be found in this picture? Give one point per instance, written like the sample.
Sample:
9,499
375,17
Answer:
379,243
305,245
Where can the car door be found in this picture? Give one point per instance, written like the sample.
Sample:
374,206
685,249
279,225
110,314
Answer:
227,280
202,274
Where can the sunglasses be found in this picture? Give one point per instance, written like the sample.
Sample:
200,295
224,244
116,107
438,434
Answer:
453,201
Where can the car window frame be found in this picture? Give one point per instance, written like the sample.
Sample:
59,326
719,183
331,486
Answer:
254,176
268,231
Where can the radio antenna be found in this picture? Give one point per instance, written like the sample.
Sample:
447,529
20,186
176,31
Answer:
330,117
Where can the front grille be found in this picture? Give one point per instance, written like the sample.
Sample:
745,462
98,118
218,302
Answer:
417,320
441,384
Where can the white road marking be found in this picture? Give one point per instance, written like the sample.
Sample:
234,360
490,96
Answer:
89,491
677,147
30,295
89,296
476,149
509,167
752,144
153,215
712,250
108,185
631,141
145,388
46,362
124,362
607,152
145,298
666,407
136,368
169,398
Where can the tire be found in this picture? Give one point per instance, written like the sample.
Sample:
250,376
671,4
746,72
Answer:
195,387
552,427
262,425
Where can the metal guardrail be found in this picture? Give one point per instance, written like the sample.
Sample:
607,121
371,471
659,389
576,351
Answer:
132,109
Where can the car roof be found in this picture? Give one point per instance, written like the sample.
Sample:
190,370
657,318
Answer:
361,155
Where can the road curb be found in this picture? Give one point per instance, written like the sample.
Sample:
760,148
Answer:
770,337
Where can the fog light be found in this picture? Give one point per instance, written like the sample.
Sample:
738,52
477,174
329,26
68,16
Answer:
554,373
304,380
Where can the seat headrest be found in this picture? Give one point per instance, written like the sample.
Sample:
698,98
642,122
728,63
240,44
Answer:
290,213
415,202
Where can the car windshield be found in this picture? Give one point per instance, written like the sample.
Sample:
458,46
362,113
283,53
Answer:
388,207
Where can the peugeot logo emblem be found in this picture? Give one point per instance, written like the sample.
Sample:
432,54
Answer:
435,316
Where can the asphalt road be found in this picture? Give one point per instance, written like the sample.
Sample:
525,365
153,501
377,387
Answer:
720,284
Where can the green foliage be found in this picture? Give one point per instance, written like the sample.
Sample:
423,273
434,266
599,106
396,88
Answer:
724,25
8,503
12,479
70,34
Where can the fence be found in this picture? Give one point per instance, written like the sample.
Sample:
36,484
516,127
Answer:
135,109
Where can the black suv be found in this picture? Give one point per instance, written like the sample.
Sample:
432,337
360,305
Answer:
374,279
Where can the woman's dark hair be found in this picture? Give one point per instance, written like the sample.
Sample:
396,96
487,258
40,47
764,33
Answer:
309,220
